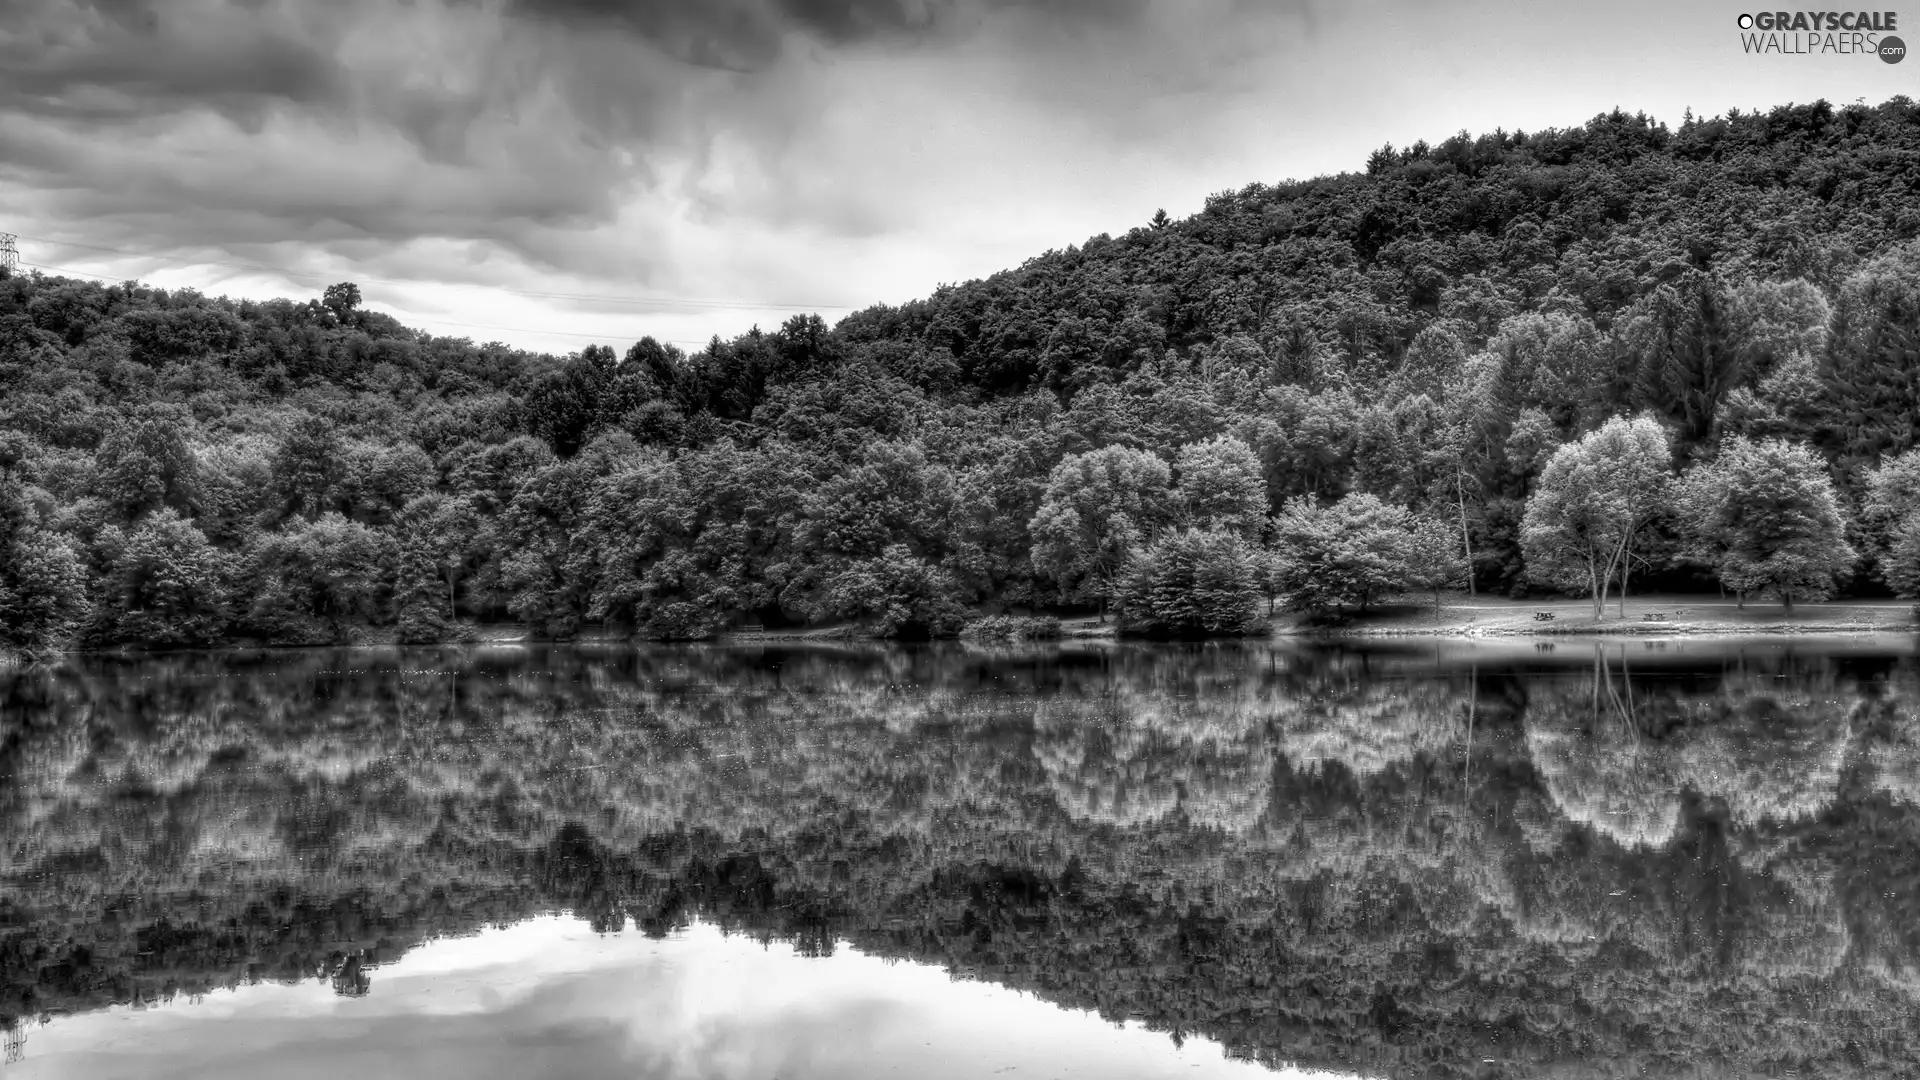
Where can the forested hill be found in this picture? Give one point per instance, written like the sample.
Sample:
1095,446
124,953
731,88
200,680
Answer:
1396,352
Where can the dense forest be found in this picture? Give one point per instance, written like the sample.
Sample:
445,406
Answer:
1611,356
1656,864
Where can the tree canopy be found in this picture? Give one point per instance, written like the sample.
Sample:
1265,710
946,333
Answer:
1766,514
1433,332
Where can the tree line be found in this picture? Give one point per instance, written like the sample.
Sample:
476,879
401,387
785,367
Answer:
1322,391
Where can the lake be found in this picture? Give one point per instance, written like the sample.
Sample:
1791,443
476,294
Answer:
1619,858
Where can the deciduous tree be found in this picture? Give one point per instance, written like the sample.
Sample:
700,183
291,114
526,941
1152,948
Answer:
1589,505
1097,508
1345,555
164,586
1220,486
1765,515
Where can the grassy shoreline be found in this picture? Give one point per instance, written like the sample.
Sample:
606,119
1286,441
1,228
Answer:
1671,616
1459,617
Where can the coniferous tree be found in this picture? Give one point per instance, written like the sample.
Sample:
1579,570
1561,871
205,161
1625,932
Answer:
1192,583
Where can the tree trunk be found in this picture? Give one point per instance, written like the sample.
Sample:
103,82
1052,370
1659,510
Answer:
1626,568
1786,596
1473,708
1436,605
1593,725
1741,603
1606,582
1626,677
1466,538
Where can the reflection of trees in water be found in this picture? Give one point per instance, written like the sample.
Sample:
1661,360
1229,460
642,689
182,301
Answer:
1802,931
1764,744
1770,748
1365,721
1288,851
1767,745
1894,756
1128,758
1598,765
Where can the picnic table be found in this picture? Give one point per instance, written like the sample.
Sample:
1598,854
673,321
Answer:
1654,616
1543,616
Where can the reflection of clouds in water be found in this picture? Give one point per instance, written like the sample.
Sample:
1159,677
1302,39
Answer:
671,1014
894,792
548,998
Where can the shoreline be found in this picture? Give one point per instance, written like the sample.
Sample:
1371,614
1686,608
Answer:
1464,621
1650,630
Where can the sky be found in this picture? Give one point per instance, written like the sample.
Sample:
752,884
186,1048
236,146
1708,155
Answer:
558,173
549,997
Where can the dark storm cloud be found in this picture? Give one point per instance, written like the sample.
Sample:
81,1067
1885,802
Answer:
106,59
709,146
748,35
227,121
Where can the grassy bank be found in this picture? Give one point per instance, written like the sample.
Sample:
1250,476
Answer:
1656,615
1459,616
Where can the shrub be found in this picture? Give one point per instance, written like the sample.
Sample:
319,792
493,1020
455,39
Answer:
1192,583
1013,628
896,595
680,620
1342,556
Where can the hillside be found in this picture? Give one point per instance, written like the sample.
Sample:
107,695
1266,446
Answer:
180,469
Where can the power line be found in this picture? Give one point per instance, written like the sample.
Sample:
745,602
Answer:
80,273
557,333
412,318
687,301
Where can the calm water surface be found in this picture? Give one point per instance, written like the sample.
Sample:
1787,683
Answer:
1633,859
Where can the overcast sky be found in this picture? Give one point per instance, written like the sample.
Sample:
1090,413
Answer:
717,163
